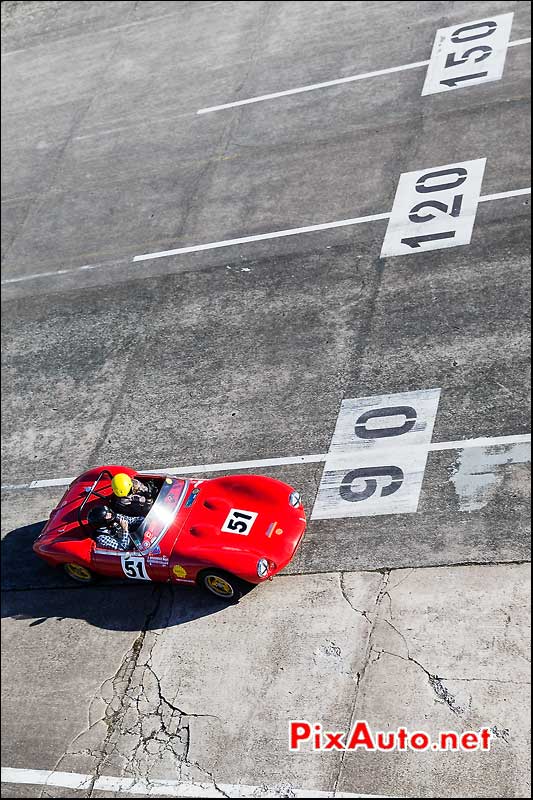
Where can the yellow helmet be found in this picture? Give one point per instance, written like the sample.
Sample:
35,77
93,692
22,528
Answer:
121,484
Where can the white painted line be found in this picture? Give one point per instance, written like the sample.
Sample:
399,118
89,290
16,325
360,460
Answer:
503,195
295,231
158,787
230,242
51,482
326,84
231,466
519,42
312,86
483,441
262,236
61,272
234,465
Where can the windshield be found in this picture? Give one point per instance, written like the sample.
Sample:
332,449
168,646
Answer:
161,515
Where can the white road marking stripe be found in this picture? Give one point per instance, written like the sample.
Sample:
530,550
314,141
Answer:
326,84
156,787
230,242
483,441
520,41
60,272
312,86
503,195
233,465
295,231
261,236
316,458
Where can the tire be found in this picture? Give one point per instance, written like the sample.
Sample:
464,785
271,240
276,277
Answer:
79,573
222,585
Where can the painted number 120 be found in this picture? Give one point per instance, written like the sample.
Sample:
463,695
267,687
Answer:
434,208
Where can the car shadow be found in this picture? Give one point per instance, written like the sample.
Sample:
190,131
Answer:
34,591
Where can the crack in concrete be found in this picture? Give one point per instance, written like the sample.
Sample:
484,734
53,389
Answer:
372,619
342,586
144,730
373,654
444,695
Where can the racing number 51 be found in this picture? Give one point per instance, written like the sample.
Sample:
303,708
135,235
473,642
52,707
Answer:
134,567
239,521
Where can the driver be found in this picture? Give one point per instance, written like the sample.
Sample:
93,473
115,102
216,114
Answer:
112,530
130,496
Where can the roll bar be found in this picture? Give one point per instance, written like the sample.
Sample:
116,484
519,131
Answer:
92,491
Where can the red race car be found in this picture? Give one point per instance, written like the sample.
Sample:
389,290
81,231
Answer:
224,534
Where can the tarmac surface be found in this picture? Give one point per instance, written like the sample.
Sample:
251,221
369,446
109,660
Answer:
413,612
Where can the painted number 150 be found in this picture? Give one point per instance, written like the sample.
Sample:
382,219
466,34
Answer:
458,50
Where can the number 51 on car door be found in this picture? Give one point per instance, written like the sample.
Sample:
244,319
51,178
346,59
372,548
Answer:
134,567
434,208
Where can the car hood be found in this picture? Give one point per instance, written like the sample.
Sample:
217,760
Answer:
274,527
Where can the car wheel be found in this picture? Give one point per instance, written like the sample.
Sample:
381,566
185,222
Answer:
79,573
222,585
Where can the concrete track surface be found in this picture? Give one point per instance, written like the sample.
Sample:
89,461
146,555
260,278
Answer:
136,330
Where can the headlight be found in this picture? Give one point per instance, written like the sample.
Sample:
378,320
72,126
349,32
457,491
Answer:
262,567
294,499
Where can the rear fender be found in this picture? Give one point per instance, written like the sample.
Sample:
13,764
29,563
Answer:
76,550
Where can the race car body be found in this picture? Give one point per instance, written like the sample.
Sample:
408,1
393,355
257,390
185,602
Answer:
223,533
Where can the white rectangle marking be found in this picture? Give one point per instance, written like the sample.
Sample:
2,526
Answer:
372,483
373,423
434,208
468,54
377,456
239,521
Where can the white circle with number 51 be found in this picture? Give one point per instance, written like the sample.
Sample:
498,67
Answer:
239,521
134,567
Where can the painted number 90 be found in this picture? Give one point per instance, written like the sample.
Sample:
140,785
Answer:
369,474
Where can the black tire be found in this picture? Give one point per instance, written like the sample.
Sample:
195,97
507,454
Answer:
79,573
222,585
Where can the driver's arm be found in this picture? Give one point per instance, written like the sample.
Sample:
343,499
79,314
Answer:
129,523
140,488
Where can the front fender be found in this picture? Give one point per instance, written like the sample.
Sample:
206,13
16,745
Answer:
242,565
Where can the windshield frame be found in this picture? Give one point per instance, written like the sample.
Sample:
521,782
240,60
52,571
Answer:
161,504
